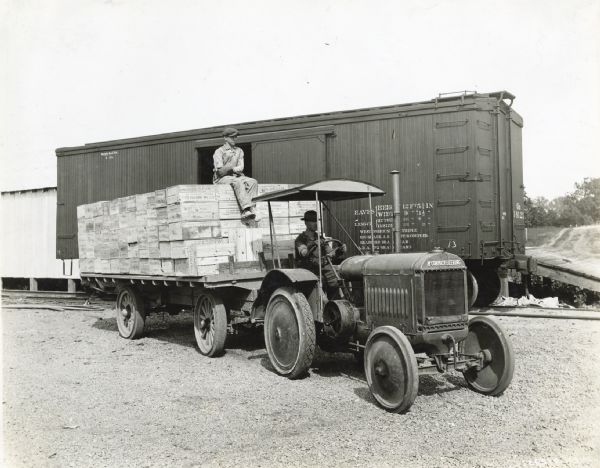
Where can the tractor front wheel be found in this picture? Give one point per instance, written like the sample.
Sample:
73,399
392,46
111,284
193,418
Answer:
391,369
488,339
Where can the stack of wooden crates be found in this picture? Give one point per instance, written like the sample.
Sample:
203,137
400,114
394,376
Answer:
185,230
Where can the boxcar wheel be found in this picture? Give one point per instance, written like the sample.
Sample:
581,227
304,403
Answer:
486,336
391,369
210,324
289,332
489,286
130,313
472,289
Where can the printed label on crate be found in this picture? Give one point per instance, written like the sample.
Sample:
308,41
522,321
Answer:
199,230
163,233
202,261
279,209
204,270
192,193
134,266
215,249
166,266
165,249
229,210
141,202
132,250
154,266
153,250
175,231
192,212
265,188
298,208
184,267
160,198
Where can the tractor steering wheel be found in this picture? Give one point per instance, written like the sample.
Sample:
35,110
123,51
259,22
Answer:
339,245
335,241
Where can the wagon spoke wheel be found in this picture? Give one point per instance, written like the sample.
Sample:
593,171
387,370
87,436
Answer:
290,335
391,369
210,324
487,339
130,313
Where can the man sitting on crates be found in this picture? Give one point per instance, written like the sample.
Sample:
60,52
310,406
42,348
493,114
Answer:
229,169
307,254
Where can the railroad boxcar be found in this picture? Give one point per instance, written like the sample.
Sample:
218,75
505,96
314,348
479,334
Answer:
459,156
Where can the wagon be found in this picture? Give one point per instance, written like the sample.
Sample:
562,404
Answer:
402,314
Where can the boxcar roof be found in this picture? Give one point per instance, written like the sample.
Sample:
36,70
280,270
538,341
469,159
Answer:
286,123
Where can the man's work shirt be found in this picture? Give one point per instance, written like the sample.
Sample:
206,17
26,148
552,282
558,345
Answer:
228,155
305,241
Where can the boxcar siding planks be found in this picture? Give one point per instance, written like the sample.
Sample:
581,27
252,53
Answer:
367,144
110,174
289,161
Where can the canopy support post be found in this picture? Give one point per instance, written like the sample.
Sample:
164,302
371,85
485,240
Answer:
371,218
274,246
319,226
342,228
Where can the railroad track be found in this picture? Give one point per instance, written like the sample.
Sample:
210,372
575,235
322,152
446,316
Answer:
498,311
54,300
18,293
538,312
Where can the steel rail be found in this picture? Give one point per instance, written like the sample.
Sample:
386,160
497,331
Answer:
588,315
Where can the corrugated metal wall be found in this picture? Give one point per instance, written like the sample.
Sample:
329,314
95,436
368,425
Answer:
29,236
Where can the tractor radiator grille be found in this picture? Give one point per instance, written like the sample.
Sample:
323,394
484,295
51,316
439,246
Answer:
444,293
388,302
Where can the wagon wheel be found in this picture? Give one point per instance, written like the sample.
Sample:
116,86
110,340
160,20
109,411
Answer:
391,369
130,313
289,332
486,336
210,324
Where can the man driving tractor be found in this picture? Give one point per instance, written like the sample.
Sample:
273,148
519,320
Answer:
307,255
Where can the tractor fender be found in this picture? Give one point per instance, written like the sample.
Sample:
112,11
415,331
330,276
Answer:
303,280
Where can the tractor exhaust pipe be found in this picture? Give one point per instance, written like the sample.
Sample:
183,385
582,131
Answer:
396,207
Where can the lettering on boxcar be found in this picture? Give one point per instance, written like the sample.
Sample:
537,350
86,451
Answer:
416,222
108,154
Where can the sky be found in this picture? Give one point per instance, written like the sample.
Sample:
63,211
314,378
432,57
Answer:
75,72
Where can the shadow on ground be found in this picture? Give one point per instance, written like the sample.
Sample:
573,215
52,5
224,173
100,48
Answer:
428,385
179,330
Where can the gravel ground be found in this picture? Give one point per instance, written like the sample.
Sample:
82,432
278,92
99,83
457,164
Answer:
75,394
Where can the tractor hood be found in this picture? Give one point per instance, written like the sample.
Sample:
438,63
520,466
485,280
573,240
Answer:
397,264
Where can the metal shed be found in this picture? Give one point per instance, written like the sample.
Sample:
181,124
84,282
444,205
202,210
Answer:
29,236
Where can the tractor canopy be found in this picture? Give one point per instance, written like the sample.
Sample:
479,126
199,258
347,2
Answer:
324,190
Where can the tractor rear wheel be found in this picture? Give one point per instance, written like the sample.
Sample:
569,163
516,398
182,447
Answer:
290,336
487,337
130,313
391,369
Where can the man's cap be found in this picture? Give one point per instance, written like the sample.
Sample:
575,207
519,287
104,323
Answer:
310,215
230,132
